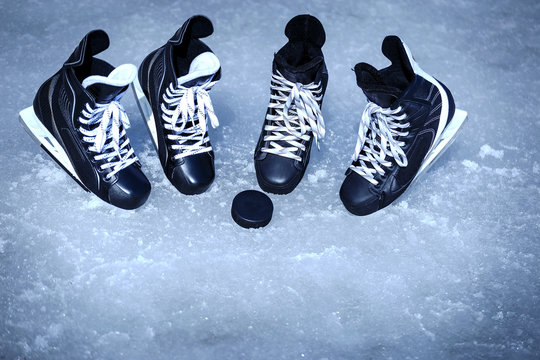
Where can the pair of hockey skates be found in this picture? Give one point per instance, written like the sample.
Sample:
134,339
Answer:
77,118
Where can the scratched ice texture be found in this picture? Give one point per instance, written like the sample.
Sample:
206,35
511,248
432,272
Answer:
450,271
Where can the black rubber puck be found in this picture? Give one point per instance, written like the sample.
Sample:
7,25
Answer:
252,209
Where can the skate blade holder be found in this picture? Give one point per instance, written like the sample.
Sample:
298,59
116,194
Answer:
39,133
448,136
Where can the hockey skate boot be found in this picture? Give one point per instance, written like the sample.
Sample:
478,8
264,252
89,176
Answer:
409,121
78,120
293,118
172,93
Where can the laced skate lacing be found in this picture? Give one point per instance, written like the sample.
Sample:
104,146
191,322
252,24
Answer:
108,139
297,114
188,120
377,139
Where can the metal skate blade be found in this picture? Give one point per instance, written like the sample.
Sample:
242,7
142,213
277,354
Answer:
146,110
447,138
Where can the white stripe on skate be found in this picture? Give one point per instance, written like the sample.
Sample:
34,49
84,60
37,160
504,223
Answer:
444,97
446,139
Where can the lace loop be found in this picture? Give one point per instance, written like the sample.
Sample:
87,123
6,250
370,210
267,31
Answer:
185,111
108,139
297,113
377,140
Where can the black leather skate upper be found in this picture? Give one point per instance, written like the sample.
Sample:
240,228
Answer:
191,174
300,60
394,87
59,103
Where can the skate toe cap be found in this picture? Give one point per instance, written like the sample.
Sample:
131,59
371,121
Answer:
194,175
277,174
357,195
131,190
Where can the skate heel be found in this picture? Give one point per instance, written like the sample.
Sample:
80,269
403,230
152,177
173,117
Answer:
146,110
47,141
445,140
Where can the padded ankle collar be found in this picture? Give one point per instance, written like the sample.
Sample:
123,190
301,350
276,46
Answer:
92,44
197,26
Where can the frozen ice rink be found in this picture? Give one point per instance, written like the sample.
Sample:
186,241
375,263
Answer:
450,271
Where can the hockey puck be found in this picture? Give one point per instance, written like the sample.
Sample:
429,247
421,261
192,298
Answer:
252,209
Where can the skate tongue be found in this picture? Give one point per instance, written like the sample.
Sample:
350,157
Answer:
372,83
201,70
385,86
401,69
106,88
306,28
304,74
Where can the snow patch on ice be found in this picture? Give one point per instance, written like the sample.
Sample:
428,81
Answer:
498,316
403,204
49,174
93,203
113,337
509,147
479,316
2,243
513,172
536,168
330,251
470,165
487,150
318,175
150,332
13,185
25,347
41,343
429,220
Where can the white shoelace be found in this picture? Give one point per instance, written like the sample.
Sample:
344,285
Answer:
193,138
297,114
377,139
110,117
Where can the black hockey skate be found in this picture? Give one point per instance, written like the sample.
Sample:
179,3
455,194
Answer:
293,118
409,121
78,120
172,93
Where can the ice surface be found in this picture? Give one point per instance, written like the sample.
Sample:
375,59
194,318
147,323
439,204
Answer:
451,271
